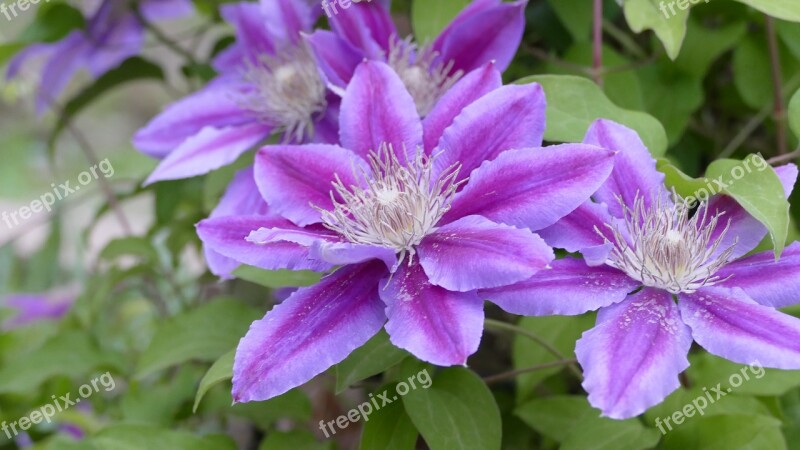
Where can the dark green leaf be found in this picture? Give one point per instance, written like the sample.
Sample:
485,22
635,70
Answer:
374,357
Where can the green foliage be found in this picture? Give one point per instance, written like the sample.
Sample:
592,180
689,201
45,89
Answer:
376,356
429,19
645,15
389,428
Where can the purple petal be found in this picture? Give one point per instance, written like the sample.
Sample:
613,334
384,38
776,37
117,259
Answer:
123,38
33,308
252,37
294,177
768,282
378,109
227,236
366,26
337,59
745,230
533,188
345,253
67,58
34,51
467,90
326,126
569,288
213,106
159,10
436,325
485,31
483,130
728,323
632,357
577,231
210,149
634,167
241,199
476,253
286,19
309,332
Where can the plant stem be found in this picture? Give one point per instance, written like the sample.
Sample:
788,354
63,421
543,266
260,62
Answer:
517,372
779,112
163,38
498,325
597,43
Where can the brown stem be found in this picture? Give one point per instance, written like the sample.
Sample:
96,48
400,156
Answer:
597,43
517,372
779,112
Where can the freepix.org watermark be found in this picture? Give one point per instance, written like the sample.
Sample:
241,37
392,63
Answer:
376,402
682,4
717,185
699,404
12,10
60,192
330,7
45,413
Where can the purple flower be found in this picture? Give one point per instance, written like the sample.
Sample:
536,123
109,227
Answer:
487,30
419,215
113,34
32,308
641,251
269,81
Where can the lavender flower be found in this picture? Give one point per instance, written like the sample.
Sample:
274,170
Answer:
418,215
113,34
32,308
487,30
642,251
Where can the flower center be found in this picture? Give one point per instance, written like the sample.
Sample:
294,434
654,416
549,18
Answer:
400,204
663,247
287,91
425,78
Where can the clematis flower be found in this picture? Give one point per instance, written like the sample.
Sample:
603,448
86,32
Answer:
113,34
268,81
32,308
662,279
486,30
417,216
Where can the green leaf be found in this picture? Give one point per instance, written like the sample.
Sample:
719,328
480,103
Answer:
132,69
734,432
752,73
704,45
374,357
684,185
203,334
221,370
709,370
760,192
71,354
429,18
53,22
648,15
782,9
130,246
457,411
293,405
294,440
678,401
137,437
573,103
277,278
571,421
389,428
560,332
158,404
794,114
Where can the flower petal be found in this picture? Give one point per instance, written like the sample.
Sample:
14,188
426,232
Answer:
436,325
286,19
728,323
467,90
634,167
309,332
377,108
533,188
213,106
569,288
482,131
227,236
632,358
337,59
476,253
344,253
252,35
487,30
209,150
293,177
67,58
578,231
768,282
158,10
366,26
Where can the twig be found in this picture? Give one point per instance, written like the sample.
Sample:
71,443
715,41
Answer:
784,158
544,56
515,373
160,36
498,325
597,43
779,112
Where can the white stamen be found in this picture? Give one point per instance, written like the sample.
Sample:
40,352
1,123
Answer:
400,205
288,91
417,66
664,248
